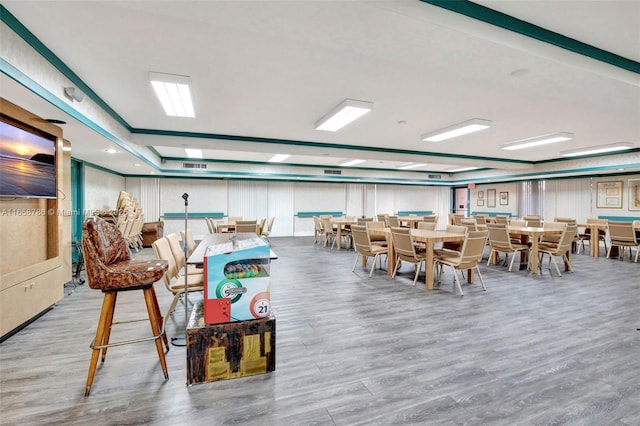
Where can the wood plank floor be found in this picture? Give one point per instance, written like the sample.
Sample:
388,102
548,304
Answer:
353,350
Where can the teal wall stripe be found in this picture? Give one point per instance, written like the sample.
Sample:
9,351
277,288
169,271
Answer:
311,214
499,19
415,212
620,218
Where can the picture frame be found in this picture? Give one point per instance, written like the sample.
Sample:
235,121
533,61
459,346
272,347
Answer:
491,197
480,194
634,194
504,198
480,202
609,195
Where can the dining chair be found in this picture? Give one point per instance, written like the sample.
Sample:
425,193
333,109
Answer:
234,218
428,226
501,219
518,222
318,232
392,221
261,224
561,248
364,220
452,246
469,257
552,239
365,248
376,238
382,217
533,221
250,226
480,219
110,269
211,225
586,235
174,282
406,251
177,250
266,232
329,231
430,218
500,242
191,242
470,223
622,234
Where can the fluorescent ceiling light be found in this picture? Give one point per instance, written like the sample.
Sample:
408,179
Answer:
538,140
620,146
410,166
470,126
343,114
193,152
462,169
352,162
278,158
174,93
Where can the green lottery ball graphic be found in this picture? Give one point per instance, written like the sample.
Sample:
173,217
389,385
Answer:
222,290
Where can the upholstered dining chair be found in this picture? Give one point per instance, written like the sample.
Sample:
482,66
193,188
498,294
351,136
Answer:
559,249
177,250
468,258
500,242
110,269
377,238
174,282
247,226
266,232
406,251
191,242
364,247
623,235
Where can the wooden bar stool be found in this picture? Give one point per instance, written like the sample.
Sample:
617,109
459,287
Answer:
110,269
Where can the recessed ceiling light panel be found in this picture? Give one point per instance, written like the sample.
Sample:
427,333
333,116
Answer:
620,146
342,114
538,140
464,128
277,158
174,93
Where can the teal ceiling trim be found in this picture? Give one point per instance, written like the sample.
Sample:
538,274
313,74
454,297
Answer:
318,145
47,54
581,157
499,19
22,79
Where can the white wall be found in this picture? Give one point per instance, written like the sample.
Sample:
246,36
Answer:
510,188
101,189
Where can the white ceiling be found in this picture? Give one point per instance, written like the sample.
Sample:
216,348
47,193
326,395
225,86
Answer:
270,69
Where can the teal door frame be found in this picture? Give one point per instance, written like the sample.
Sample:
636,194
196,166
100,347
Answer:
77,203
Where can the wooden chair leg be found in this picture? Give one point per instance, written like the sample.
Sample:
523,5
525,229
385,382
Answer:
108,304
159,316
156,326
107,330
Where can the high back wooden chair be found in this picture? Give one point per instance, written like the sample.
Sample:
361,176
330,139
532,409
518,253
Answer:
110,269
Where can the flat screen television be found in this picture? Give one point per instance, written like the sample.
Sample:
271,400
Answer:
27,161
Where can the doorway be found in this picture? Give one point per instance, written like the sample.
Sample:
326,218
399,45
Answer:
461,201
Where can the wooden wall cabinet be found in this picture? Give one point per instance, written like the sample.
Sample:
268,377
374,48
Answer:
33,266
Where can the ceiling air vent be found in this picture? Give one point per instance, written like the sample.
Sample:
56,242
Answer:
194,165
333,172
435,177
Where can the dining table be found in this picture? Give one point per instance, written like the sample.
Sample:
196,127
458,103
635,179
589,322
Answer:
341,226
410,221
533,234
429,238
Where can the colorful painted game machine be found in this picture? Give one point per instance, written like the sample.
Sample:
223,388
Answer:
237,281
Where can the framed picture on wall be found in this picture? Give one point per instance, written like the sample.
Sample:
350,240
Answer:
491,197
480,202
480,194
609,195
634,194
504,198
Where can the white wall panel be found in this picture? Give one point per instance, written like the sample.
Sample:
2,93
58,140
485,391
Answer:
280,204
568,198
354,200
248,199
101,189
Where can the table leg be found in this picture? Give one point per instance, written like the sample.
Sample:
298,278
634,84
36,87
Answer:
339,237
535,268
429,265
594,242
391,256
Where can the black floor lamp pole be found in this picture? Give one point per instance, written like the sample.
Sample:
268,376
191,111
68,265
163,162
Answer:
176,340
